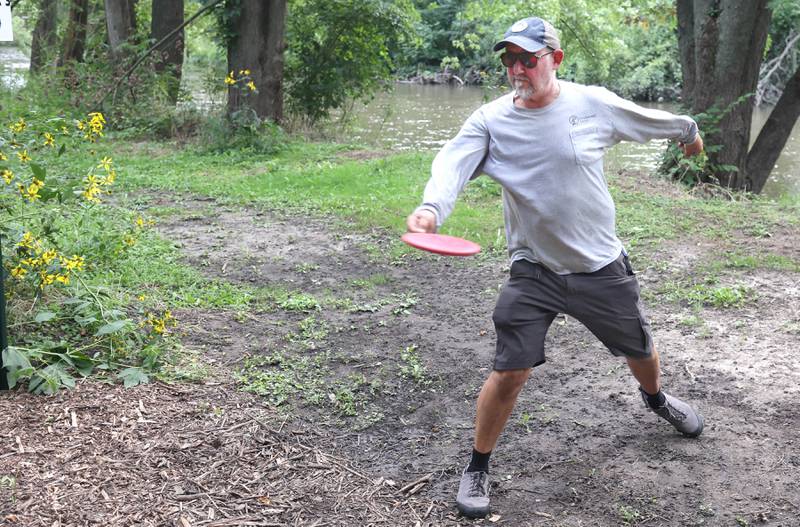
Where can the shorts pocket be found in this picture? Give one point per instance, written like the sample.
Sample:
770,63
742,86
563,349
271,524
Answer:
525,269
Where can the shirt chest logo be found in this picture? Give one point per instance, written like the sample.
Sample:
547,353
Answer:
575,120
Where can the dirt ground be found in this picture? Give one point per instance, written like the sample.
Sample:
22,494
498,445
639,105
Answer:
579,450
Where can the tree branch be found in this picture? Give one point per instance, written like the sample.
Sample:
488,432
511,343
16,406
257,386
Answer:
774,64
171,35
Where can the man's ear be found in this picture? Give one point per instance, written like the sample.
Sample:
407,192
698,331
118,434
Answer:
558,57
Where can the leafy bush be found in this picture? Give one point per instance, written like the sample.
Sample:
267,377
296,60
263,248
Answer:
327,67
56,233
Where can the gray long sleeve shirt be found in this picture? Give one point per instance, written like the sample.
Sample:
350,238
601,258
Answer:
549,161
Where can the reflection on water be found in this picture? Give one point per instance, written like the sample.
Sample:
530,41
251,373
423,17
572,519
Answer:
13,65
415,117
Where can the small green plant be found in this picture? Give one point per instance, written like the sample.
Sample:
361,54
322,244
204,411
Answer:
305,268
300,302
412,367
628,514
311,333
525,420
692,321
8,485
405,302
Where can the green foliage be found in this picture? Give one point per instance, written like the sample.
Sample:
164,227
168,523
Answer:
327,67
51,209
412,367
701,168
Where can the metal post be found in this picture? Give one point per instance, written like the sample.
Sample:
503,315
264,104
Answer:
3,329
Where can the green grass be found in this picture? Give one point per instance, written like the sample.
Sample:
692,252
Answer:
311,178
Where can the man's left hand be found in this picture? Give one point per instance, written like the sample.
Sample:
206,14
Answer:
694,148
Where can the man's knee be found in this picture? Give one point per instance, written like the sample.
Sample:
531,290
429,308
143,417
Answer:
510,382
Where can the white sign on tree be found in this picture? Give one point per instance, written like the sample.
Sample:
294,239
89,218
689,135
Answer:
5,21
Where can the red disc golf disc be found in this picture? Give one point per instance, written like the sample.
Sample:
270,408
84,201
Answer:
441,244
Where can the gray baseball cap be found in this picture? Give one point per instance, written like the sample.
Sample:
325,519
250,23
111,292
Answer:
531,34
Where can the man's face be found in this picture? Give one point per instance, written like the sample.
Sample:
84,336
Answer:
528,81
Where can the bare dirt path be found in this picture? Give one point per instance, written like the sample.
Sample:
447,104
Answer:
377,357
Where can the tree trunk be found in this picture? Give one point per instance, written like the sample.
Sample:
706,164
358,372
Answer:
75,37
120,24
686,47
773,136
728,39
167,15
257,45
44,38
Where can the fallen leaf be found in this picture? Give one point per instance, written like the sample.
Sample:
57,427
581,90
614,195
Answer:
494,518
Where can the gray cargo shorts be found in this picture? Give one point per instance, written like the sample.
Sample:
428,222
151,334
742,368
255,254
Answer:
605,301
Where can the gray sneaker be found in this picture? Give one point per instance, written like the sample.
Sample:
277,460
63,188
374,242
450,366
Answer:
683,417
473,494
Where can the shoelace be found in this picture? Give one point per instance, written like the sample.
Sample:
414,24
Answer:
476,489
675,413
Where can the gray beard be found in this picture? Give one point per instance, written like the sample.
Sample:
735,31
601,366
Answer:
523,90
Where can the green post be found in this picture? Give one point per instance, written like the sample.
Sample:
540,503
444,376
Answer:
3,333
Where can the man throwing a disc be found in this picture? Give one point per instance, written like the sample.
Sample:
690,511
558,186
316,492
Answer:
544,144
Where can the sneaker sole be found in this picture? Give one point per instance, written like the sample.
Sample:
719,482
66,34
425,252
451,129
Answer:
473,512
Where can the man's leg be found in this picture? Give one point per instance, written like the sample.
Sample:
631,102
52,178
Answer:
682,416
495,403
647,372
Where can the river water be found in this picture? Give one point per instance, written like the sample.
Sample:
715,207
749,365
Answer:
424,117
415,117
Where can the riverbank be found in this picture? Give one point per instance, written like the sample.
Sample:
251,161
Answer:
359,361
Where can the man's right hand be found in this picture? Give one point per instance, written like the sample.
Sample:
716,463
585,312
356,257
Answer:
421,221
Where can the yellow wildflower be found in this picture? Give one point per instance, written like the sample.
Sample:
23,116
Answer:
244,72
3,157
105,163
91,193
229,79
23,156
49,140
46,278
49,256
19,126
64,130
129,240
8,176
18,272
141,298
140,222
72,264
81,125
64,279
251,85
31,192
28,241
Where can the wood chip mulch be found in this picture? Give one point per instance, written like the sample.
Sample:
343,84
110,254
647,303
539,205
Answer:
186,455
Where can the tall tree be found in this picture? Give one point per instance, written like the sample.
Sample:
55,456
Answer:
722,44
167,16
44,35
75,37
256,31
120,24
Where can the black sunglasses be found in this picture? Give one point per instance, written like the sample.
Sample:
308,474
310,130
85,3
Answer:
529,60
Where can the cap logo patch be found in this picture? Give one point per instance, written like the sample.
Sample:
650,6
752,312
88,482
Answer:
519,26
